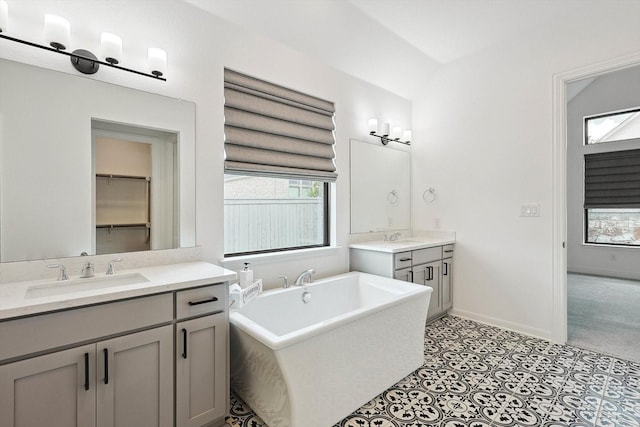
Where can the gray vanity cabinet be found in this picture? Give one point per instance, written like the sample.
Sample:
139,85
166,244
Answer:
447,277
201,356
113,364
123,381
118,382
431,266
200,371
132,386
48,390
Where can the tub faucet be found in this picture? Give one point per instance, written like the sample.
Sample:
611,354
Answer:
285,281
87,270
305,274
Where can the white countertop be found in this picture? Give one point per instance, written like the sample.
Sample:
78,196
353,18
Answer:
14,301
402,245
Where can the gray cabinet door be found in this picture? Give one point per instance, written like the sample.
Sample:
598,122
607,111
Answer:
201,361
135,379
55,390
433,279
447,284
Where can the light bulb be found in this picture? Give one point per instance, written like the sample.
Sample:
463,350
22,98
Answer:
111,48
157,61
57,31
373,126
4,16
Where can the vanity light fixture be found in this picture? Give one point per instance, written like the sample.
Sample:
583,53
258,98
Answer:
4,15
388,133
57,34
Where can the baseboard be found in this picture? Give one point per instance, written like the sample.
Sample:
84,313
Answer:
581,269
504,324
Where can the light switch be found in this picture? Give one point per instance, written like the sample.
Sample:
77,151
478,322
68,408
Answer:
530,209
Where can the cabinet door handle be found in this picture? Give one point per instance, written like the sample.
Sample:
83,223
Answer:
446,269
184,343
429,273
410,276
405,259
448,251
204,301
106,365
86,371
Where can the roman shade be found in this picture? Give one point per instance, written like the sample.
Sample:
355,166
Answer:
275,131
612,179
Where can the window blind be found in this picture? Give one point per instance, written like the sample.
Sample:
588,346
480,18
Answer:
275,131
612,179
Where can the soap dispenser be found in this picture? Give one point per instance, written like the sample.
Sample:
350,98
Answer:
245,276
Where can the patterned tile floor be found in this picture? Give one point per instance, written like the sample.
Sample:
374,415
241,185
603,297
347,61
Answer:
477,375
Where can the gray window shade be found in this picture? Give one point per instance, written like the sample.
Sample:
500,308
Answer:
275,131
612,179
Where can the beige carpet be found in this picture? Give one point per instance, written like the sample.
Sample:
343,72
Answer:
604,315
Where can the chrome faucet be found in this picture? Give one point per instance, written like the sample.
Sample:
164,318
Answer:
62,272
305,274
110,268
87,270
285,281
392,238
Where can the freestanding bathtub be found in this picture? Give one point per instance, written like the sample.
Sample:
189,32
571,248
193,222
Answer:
311,364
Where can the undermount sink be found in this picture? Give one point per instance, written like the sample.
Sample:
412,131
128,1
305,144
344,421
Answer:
402,242
61,287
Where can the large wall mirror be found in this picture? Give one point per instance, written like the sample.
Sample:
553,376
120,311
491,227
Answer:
380,187
90,167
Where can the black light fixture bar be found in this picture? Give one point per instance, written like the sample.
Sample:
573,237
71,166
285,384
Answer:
81,57
384,139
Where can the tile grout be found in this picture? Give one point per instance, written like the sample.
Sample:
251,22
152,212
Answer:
465,367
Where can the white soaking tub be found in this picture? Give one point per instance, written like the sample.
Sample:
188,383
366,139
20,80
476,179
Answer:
311,364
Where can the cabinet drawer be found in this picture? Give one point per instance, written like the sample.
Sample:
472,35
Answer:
402,260
447,251
47,331
422,256
403,274
195,302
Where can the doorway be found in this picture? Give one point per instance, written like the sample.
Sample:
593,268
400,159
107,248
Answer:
566,88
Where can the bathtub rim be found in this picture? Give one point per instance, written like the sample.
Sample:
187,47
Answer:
277,342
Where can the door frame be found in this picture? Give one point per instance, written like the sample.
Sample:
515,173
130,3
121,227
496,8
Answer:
559,181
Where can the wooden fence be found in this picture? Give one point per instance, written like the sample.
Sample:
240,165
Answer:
252,225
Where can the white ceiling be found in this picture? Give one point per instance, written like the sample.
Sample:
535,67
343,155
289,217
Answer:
446,30
395,44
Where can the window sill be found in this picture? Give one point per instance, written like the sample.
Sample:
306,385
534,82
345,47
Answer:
610,245
236,262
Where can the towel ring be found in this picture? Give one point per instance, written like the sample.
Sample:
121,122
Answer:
392,197
429,195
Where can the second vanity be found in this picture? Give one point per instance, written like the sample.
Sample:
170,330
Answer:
142,348
426,260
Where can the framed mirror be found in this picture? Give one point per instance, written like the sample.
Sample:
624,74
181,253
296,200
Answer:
49,122
380,187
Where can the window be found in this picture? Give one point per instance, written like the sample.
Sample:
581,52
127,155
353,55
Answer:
612,179
263,214
279,163
612,127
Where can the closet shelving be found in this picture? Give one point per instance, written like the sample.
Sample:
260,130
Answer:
123,201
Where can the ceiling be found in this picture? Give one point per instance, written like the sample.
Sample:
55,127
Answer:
395,44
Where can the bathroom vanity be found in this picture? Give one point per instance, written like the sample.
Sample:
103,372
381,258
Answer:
140,348
426,261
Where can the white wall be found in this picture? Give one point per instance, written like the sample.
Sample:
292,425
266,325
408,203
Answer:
199,46
614,91
483,131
